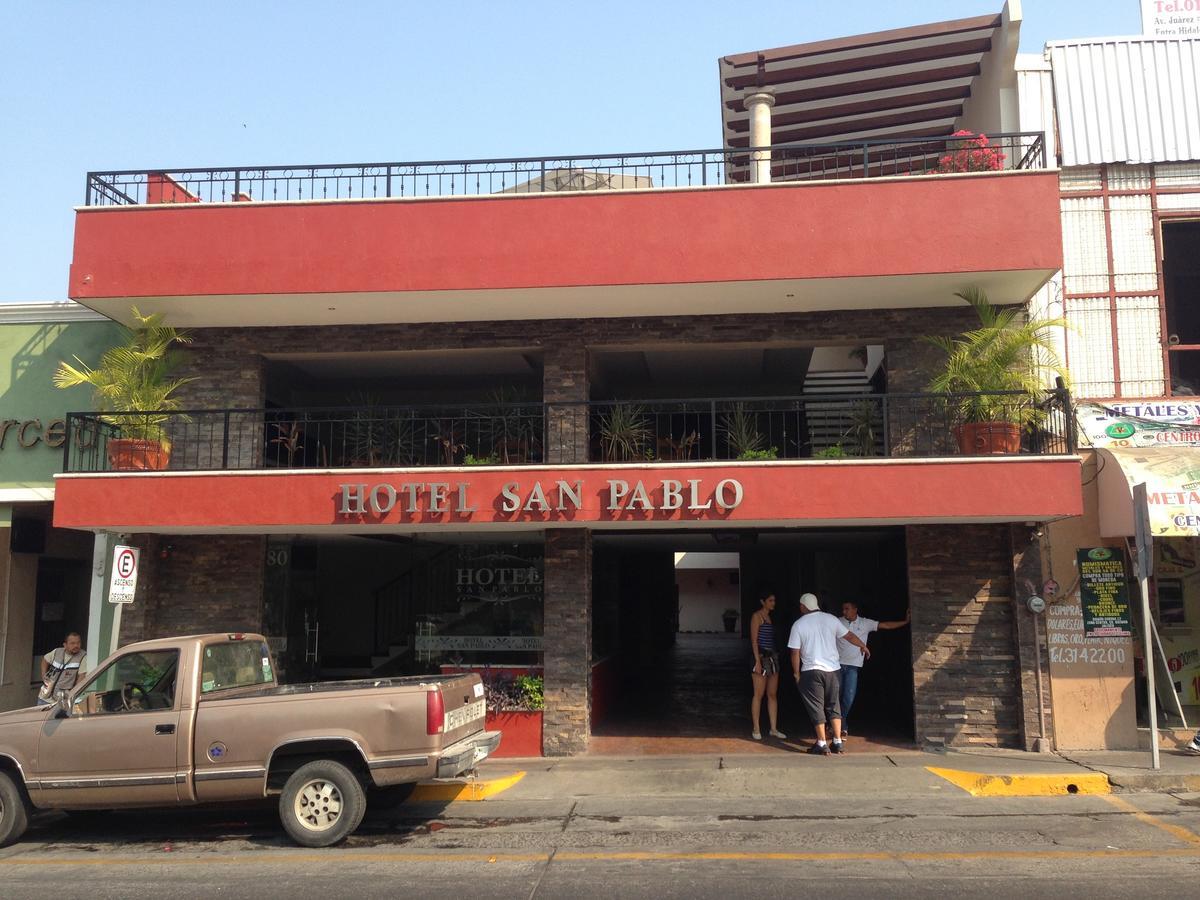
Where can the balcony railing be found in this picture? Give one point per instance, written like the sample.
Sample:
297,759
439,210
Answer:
609,432
611,171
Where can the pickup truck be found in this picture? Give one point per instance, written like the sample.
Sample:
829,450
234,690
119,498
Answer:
201,719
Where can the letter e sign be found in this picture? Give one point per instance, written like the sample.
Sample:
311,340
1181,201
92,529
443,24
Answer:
123,584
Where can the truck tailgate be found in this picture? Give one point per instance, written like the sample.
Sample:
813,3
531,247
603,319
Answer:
462,698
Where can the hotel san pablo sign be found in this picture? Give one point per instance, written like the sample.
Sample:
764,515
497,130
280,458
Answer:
407,500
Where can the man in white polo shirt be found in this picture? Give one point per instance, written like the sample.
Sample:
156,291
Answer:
815,665
852,658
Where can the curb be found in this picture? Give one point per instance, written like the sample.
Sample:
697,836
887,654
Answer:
979,785
1153,783
460,790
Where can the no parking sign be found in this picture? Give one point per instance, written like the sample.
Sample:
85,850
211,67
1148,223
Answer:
123,584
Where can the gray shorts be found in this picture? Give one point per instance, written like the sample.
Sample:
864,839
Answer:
821,693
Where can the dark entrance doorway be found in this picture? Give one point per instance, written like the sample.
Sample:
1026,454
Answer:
676,681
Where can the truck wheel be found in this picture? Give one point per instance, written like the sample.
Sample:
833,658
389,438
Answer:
14,811
322,803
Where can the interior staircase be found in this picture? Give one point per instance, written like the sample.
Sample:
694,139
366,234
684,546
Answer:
829,416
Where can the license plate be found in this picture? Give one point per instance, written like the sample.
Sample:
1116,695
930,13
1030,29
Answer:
457,718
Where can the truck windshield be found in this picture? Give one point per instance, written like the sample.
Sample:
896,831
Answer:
235,664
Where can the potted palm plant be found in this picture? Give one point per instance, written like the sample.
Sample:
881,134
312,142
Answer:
994,373
134,391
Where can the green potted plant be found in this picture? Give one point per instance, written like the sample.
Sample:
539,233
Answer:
995,373
624,433
515,707
134,390
741,433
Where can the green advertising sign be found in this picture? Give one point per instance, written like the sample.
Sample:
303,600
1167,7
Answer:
1103,592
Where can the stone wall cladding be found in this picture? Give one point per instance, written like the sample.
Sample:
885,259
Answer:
204,583
965,670
228,361
567,656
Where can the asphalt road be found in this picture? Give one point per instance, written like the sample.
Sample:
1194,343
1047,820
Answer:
1116,846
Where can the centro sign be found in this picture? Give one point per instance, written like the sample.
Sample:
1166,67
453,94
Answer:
617,496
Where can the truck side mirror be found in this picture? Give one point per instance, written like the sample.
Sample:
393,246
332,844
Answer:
62,702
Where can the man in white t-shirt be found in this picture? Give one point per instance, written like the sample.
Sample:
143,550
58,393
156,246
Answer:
852,658
815,665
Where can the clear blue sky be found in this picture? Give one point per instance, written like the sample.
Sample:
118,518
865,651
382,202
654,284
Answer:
119,84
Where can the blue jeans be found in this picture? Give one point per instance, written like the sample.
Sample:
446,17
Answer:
849,689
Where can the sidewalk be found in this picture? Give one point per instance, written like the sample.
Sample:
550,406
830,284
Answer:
888,776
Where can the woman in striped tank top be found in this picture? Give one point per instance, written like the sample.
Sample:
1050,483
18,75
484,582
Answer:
765,673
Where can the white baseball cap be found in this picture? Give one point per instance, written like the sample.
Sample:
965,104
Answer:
809,602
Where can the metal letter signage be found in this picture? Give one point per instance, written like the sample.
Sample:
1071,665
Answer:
538,500
123,584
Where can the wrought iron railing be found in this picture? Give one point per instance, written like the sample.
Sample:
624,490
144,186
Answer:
869,158
612,431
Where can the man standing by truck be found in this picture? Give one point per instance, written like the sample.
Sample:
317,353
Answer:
815,665
62,668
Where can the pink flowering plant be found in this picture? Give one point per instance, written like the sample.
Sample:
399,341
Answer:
970,152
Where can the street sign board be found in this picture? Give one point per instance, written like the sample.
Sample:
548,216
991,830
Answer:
1143,536
123,584
1102,593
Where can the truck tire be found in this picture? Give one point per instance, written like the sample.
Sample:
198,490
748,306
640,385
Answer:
14,810
322,803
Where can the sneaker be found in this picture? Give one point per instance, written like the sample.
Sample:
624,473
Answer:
776,733
1192,746
845,732
837,747
818,750
755,736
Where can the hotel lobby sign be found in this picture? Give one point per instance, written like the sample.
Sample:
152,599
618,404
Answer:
537,499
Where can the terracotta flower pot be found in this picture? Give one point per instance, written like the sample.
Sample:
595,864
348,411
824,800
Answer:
988,438
138,455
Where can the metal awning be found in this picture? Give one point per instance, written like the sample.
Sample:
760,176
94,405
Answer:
907,82
1172,478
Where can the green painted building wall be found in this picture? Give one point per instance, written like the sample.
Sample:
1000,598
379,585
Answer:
34,338
31,408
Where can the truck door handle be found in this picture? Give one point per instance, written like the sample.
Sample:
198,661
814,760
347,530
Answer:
164,729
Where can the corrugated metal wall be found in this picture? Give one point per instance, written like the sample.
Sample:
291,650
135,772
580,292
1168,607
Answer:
1134,100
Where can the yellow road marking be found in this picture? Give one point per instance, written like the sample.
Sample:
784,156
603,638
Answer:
979,785
1177,831
464,790
360,856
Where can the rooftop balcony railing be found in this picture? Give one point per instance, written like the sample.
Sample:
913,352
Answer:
841,426
613,171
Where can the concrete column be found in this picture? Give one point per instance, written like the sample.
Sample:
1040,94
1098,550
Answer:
567,637
565,390
759,107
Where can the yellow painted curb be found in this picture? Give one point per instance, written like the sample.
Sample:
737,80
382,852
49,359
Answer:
979,785
450,791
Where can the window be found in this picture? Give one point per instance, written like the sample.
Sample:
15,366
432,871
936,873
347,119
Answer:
135,682
1181,282
235,664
